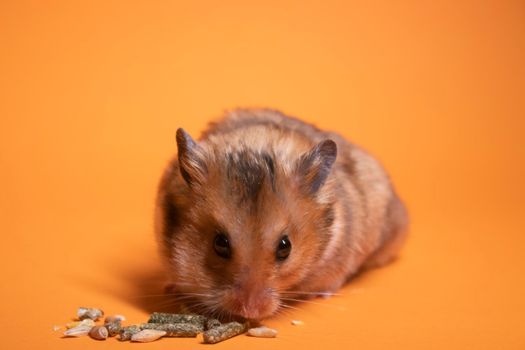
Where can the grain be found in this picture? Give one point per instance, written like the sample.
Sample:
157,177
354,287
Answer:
147,335
88,312
85,322
99,333
78,331
180,330
262,332
74,324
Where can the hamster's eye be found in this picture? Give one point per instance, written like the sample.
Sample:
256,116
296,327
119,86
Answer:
283,249
221,245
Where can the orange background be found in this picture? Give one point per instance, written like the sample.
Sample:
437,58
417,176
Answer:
91,96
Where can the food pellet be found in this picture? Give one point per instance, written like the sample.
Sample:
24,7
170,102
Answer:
127,332
147,335
212,323
89,312
99,333
221,333
180,330
162,317
262,332
297,323
78,331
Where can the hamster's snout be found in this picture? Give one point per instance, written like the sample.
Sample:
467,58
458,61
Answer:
251,301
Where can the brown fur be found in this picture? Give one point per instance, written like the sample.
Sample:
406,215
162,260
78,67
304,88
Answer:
257,175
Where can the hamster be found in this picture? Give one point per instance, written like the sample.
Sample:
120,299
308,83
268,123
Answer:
265,207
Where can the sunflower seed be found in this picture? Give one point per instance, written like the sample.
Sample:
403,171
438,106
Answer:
78,331
86,322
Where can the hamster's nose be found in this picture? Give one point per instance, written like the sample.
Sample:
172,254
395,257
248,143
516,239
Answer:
255,306
253,303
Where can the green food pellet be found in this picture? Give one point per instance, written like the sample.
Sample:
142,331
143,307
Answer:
223,332
127,332
212,323
162,317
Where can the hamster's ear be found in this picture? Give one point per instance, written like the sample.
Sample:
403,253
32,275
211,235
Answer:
191,159
314,166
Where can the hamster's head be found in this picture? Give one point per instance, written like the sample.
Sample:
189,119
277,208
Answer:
243,229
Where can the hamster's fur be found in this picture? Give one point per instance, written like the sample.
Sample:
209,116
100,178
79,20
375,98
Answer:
257,177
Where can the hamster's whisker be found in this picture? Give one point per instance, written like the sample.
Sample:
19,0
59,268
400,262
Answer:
177,299
163,305
210,306
185,299
150,296
310,302
284,309
286,306
310,293
167,295
285,312
193,295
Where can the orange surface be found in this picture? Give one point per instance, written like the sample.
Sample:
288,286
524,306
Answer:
91,96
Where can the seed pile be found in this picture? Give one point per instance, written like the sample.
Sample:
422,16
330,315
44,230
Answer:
159,325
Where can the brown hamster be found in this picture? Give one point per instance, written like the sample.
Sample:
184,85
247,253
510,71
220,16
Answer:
266,207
